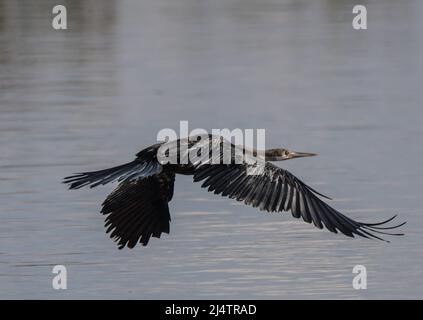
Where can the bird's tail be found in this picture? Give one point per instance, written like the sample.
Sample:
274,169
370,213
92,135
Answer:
96,178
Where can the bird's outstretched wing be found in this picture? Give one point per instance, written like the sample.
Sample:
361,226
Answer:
276,190
138,210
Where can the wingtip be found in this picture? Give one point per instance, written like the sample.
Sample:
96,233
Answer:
376,228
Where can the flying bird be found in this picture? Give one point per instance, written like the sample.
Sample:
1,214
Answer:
138,208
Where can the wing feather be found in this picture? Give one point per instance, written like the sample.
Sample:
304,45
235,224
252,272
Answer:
138,209
276,189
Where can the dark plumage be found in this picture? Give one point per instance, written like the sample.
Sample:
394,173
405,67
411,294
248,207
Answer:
138,208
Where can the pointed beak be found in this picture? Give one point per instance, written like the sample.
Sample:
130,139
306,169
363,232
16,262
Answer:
293,154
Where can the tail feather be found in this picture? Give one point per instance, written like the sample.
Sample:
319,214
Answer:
95,178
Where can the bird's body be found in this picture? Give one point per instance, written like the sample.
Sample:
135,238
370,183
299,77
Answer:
138,208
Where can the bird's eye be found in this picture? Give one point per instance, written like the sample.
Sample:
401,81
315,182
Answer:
286,153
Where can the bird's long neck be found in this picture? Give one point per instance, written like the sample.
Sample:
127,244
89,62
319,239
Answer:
272,155
267,155
253,152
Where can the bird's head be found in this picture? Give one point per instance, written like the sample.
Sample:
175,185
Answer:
285,154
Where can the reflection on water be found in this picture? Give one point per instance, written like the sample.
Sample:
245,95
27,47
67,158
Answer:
91,96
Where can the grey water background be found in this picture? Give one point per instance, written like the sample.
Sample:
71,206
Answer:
91,96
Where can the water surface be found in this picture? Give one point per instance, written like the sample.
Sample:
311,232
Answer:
92,96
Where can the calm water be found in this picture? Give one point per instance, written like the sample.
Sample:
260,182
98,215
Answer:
92,96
